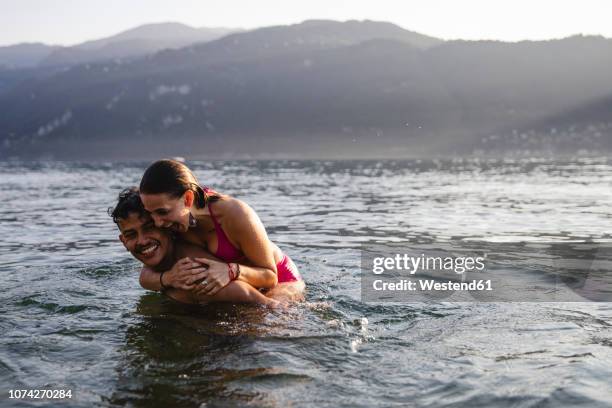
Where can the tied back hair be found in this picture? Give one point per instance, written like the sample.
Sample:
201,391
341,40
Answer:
174,178
202,198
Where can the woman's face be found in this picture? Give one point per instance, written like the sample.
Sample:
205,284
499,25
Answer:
167,211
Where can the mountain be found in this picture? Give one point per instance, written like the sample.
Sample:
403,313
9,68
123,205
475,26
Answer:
24,55
133,43
267,42
586,128
34,61
593,113
318,89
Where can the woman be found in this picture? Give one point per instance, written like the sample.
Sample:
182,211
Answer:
226,226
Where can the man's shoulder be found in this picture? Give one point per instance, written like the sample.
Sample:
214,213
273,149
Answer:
187,249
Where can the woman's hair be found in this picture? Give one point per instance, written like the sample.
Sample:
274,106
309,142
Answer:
174,178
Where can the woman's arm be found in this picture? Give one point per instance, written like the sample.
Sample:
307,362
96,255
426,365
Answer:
182,275
243,223
258,276
218,276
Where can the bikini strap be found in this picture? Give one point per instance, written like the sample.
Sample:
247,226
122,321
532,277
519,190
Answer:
212,215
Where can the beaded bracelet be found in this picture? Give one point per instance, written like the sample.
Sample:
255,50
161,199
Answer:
230,272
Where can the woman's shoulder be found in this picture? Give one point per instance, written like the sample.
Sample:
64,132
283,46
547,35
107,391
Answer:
235,214
231,207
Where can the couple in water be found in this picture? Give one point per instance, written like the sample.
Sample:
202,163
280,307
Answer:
200,246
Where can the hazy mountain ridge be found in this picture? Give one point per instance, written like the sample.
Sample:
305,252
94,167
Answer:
267,42
24,55
22,62
305,93
133,43
586,128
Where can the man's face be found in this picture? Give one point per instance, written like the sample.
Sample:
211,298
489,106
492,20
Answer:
143,239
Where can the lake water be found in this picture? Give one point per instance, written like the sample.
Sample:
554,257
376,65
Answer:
73,316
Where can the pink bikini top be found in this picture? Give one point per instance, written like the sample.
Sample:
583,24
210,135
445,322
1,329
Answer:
286,269
225,249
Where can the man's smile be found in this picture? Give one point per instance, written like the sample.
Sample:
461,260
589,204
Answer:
147,251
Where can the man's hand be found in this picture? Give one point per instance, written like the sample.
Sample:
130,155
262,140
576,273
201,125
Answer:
184,274
217,277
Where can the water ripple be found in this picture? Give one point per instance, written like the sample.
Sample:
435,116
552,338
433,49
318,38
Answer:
74,316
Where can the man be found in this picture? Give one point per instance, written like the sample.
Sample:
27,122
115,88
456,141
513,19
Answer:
157,249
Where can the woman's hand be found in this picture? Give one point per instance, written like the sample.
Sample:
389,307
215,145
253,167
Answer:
216,277
184,274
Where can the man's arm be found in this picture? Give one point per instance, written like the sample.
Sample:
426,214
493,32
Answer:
149,279
185,270
235,292
239,292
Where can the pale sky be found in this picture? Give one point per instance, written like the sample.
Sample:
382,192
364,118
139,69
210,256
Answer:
68,22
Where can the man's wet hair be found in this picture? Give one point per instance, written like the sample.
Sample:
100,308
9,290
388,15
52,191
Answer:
128,202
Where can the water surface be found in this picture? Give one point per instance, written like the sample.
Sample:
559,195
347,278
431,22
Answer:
73,316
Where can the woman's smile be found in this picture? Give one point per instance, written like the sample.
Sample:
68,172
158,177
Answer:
174,226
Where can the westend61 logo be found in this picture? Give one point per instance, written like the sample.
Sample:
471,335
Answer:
486,272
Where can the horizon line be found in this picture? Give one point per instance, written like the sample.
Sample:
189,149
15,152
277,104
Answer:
247,29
